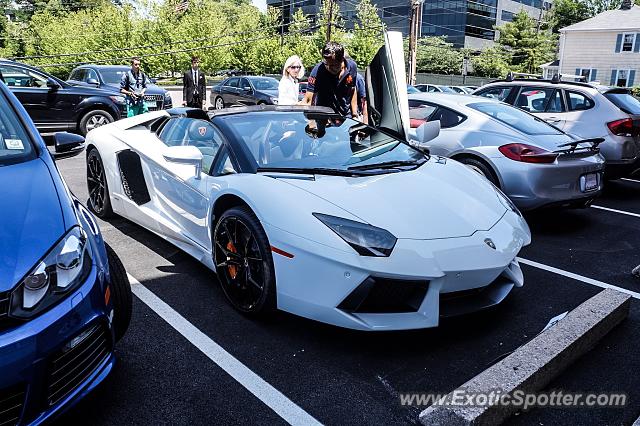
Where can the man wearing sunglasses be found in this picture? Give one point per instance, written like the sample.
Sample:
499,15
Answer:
332,82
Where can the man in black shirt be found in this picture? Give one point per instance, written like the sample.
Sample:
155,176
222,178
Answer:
332,82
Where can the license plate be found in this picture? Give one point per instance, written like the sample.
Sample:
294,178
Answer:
590,182
150,104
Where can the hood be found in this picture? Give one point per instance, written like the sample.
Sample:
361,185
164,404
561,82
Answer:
31,219
272,93
84,90
441,199
152,89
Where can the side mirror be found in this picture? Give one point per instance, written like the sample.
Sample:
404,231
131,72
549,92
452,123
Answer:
52,84
93,82
153,80
189,155
67,145
423,135
247,90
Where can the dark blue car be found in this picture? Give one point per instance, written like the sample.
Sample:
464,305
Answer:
64,296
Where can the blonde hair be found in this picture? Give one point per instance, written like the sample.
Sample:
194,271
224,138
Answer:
290,61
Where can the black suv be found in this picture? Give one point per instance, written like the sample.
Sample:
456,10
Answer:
108,77
58,106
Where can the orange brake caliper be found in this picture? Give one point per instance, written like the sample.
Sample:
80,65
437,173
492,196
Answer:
233,269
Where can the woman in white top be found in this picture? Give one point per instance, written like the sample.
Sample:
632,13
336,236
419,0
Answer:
288,88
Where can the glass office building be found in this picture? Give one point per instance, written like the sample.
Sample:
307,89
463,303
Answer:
466,23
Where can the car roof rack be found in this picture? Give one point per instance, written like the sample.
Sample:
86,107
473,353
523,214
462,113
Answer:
557,78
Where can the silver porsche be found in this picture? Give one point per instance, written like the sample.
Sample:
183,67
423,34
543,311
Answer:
533,163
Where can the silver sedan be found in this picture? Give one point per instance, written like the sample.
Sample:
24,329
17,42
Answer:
534,163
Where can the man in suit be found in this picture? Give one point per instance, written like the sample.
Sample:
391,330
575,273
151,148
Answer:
194,90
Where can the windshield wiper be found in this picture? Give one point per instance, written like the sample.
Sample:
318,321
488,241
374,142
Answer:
311,171
388,165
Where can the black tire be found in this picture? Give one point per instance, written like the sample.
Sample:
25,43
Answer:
94,119
482,168
99,201
246,274
218,103
120,294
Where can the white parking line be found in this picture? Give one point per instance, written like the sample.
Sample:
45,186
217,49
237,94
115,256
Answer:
578,277
266,393
631,180
615,211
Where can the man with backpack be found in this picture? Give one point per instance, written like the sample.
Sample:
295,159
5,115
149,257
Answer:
133,85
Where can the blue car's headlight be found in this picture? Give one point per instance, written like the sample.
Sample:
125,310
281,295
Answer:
366,239
66,265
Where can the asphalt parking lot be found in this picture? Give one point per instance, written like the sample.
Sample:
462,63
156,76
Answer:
189,358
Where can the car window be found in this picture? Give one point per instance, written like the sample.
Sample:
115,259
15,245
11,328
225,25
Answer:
578,102
182,131
499,93
224,165
515,118
244,84
18,77
76,75
113,76
432,89
448,118
15,145
266,83
625,101
91,74
232,82
540,99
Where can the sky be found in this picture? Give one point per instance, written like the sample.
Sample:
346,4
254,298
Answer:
260,4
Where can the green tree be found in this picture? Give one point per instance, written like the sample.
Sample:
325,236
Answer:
436,55
492,62
529,45
567,12
366,37
300,40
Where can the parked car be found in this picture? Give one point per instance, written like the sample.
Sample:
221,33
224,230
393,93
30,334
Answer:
266,195
437,88
55,105
108,77
64,296
242,91
583,110
461,89
532,162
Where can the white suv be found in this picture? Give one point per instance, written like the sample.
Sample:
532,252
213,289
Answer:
583,110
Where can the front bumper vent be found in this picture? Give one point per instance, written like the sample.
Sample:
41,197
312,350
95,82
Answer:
383,295
11,405
72,365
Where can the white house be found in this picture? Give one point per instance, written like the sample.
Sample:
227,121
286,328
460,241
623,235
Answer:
605,48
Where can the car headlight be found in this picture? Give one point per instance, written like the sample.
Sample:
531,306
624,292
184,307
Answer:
118,99
274,101
366,239
506,201
66,265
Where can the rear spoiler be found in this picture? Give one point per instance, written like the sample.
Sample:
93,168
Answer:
572,147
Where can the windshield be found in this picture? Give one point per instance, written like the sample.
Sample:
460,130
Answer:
515,118
447,89
113,76
15,146
411,89
266,83
625,101
303,140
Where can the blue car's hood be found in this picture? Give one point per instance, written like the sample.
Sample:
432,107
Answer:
31,219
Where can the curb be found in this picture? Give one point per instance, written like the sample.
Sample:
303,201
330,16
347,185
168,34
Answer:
532,366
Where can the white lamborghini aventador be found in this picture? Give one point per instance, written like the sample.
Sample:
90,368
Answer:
300,209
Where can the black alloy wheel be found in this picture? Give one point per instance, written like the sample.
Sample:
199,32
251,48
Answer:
244,265
99,201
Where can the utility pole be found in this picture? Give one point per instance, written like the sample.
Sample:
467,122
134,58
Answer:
282,26
329,21
414,27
